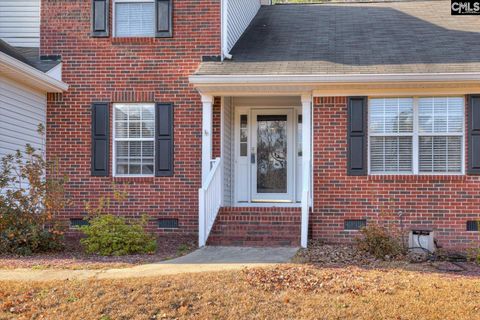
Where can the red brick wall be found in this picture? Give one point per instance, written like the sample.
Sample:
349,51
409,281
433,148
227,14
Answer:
443,203
129,70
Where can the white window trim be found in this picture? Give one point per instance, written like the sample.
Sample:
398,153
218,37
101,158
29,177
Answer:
114,28
114,145
415,140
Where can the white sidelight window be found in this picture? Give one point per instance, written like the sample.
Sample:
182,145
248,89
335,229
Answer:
133,138
134,18
416,135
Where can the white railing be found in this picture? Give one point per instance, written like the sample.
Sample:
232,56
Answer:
209,201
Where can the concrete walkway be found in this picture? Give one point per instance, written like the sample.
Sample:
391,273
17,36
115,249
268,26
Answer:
202,260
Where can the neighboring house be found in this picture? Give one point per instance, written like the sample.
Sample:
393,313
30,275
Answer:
308,121
25,81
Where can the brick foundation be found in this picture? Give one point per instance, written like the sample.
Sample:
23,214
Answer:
256,227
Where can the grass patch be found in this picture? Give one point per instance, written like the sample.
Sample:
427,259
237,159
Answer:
289,292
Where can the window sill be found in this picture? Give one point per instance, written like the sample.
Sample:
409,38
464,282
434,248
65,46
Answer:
133,40
134,178
420,177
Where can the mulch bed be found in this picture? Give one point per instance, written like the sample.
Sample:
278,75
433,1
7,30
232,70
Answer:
74,258
329,255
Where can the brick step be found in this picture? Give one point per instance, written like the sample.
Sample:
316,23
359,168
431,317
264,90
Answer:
250,226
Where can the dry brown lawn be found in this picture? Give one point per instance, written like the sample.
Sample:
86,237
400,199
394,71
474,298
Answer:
288,292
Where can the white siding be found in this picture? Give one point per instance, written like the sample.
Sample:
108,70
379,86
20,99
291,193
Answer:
21,111
238,15
20,22
227,150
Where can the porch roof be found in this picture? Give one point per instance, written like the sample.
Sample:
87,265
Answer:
354,39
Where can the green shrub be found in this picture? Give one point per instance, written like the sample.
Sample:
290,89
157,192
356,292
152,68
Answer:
379,242
21,234
109,235
29,199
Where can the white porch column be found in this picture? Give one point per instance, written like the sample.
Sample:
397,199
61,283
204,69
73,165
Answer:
306,165
207,112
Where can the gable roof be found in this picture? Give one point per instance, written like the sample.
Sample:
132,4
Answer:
30,56
362,38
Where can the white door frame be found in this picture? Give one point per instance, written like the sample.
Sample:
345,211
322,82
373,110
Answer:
243,180
272,197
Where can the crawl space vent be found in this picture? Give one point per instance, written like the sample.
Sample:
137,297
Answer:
354,224
168,223
78,222
473,225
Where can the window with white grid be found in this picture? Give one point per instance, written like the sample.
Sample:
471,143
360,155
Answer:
134,134
391,135
134,18
416,135
440,129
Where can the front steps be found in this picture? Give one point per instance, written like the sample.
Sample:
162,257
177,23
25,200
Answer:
256,227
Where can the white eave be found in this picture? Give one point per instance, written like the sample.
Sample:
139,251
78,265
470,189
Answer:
27,74
333,78
339,84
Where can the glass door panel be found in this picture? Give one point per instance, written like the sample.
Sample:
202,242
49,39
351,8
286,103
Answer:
272,156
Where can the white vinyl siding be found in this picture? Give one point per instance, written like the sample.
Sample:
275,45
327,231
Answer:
227,151
134,18
21,111
237,16
134,139
20,22
416,135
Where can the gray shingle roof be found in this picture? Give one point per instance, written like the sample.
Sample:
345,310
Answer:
366,38
30,56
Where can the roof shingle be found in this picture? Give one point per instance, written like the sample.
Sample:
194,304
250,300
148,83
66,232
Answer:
366,38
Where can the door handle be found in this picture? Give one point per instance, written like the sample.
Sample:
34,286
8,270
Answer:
252,158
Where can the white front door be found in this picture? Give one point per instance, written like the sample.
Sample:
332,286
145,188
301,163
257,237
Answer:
272,155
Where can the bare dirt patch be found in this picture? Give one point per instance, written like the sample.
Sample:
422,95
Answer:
74,258
287,292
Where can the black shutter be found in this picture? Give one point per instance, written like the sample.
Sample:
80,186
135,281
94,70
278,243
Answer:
99,17
163,18
100,139
163,139
357,136
474,135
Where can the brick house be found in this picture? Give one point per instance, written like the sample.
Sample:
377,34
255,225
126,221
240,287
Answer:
245,123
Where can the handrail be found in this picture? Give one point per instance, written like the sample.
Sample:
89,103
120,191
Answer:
209,201
211,174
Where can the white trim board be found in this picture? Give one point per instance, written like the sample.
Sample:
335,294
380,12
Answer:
335,78
28,75
338,85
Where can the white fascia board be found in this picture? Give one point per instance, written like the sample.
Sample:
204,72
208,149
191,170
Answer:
31,76
333,78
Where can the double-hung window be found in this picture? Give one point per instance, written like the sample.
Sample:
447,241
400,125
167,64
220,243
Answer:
134,139
391,135
134,18
416,135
